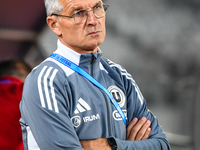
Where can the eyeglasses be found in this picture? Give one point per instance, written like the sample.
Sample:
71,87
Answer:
82,15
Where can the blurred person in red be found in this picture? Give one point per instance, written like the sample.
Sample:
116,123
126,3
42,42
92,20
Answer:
12,75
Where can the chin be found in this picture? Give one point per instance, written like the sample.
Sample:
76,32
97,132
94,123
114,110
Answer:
96,43
93,43
94,46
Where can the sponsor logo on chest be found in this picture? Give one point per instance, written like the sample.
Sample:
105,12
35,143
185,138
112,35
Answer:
91,118
83,106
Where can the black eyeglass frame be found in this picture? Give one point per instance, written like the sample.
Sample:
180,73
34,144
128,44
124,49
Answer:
73,16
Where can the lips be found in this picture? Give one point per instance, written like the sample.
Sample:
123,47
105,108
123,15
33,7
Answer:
94,33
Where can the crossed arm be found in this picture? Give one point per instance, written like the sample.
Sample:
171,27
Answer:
136,130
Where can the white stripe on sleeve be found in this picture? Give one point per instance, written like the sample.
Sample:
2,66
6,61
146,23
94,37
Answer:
52,90
46,88
40,87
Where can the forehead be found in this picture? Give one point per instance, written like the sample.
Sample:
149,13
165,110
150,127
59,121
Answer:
84,4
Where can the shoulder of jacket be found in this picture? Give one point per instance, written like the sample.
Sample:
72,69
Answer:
53,65
114,65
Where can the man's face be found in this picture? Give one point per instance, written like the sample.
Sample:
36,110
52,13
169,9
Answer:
85,37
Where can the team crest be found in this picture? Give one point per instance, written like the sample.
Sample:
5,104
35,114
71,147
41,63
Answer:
118,95
76,121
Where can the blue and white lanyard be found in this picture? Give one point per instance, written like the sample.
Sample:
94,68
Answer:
82,72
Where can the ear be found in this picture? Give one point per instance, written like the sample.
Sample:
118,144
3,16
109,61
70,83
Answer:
53,23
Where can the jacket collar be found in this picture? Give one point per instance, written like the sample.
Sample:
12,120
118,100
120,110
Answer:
68,53
75,57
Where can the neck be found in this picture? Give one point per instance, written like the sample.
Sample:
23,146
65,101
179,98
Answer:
80,50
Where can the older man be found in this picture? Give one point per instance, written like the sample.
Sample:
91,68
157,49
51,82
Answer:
76,99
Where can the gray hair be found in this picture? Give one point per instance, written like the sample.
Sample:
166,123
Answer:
53,6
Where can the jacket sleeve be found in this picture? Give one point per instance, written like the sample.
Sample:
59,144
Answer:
44,109
136,107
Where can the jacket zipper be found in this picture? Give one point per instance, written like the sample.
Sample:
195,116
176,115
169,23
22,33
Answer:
108,113
106,99
92,63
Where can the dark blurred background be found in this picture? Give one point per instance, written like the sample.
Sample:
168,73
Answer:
157,41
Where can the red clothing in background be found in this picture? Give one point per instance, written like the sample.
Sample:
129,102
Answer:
10,129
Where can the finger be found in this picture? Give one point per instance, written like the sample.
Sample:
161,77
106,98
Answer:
130,126
143,130
135,129
146,135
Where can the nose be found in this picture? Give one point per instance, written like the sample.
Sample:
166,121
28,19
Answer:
91,20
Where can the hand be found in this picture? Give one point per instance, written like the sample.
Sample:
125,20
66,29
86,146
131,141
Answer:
138,130
98,144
